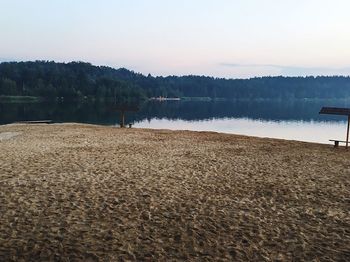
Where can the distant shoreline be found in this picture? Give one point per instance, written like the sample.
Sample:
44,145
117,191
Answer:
79,80
36,99
164,98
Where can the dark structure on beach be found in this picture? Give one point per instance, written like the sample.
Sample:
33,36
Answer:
342,112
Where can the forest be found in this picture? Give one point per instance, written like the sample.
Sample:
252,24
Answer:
79,80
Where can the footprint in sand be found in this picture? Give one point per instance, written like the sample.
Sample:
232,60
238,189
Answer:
8,135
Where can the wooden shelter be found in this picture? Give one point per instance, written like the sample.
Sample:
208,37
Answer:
340,112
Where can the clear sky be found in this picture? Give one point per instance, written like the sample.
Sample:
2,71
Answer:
224,38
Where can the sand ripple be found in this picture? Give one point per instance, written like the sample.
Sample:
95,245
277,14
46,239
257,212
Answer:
80,192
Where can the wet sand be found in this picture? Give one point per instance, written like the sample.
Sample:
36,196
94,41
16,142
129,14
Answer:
72,192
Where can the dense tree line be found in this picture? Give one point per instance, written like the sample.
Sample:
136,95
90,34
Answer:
78,80
262,87
74,80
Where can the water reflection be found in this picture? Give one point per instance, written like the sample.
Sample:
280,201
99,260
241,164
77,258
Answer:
312,131
293,119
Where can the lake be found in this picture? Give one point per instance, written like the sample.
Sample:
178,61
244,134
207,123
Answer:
293,120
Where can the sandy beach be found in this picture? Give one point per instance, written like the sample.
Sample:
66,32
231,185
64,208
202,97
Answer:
71,192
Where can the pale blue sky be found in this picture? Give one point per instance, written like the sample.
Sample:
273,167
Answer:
224,38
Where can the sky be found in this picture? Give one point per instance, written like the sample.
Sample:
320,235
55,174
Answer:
221,38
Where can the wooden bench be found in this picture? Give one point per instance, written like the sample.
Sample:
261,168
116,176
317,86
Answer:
336,142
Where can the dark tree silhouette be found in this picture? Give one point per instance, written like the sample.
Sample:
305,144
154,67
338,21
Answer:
79,80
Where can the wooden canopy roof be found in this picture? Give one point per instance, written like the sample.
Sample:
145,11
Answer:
335,111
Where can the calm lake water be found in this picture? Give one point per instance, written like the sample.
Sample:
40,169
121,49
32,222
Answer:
294,120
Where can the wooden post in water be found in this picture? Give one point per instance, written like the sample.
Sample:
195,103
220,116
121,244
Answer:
347,133
122,110
122,118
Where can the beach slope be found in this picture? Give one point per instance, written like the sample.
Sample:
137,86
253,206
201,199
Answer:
75,192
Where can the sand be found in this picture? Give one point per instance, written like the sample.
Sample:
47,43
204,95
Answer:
8,135
72,192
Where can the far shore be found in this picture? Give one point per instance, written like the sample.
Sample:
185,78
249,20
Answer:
39,99
96,193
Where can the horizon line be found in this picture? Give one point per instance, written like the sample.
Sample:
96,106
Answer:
4,60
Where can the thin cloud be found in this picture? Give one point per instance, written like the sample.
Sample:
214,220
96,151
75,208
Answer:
294,70
2,59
